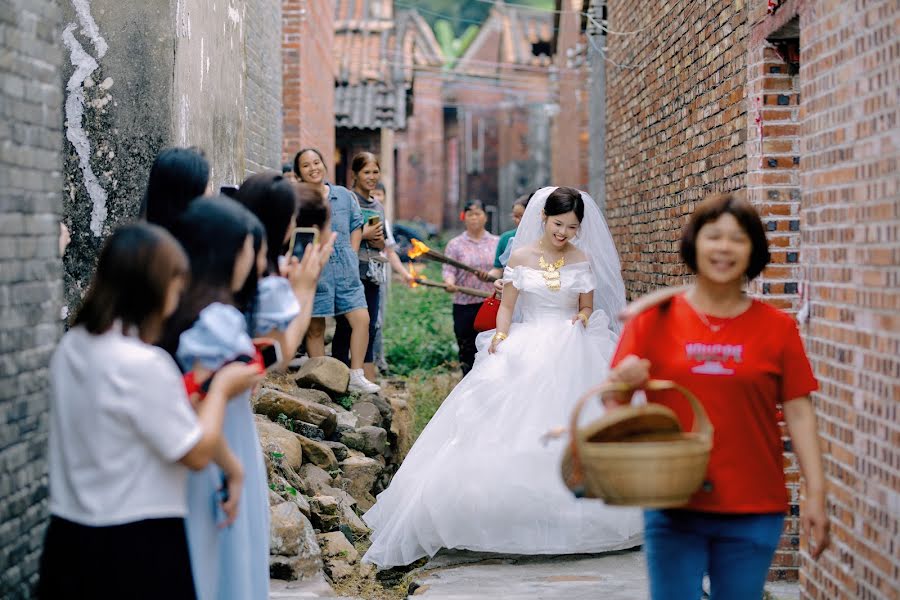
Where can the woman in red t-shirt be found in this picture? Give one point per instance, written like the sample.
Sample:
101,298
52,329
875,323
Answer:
742,358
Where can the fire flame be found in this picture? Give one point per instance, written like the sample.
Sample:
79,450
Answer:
417,249
417,278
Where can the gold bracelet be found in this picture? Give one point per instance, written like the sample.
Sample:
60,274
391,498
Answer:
583,317
498,337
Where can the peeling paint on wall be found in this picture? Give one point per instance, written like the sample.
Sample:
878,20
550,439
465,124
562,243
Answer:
84,65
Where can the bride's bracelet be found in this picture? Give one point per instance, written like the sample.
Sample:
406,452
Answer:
583,317
498,337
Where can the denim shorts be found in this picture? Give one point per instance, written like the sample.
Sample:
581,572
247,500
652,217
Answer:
340,290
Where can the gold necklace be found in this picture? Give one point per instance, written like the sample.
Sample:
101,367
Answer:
550,271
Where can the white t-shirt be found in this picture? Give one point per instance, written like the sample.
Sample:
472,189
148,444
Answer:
120,420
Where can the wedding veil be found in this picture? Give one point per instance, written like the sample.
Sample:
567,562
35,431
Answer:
595,240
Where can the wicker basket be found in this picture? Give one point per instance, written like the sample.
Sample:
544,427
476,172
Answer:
638,455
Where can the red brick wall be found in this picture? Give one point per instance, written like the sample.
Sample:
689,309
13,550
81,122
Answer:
676,125
569,137
308,77
850,245
682,122
420,157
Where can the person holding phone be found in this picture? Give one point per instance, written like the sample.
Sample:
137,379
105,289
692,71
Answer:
229,557
376,251
287,278
340,291
742,358
123,435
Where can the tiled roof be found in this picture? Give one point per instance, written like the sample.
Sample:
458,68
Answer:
519,29
375,59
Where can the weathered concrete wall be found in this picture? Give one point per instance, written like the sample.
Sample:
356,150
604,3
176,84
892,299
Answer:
146,75
30,274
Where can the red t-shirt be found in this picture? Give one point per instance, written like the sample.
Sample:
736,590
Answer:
739,373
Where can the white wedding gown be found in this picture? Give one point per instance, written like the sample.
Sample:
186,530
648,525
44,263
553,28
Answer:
479,477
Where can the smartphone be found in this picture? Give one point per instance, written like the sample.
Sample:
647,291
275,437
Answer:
374,220
269,350
229,190
301,238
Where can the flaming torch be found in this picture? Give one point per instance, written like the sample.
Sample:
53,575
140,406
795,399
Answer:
420,249
418,280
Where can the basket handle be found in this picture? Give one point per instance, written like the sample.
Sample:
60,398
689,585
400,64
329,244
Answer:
701,425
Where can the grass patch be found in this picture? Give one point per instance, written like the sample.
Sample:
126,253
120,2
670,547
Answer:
426,393
418,332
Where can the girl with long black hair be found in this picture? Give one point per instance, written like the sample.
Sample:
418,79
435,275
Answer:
122,432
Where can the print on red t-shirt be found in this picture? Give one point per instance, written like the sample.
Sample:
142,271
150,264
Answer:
739,369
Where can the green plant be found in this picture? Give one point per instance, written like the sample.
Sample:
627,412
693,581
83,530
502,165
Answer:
346,401
418,331
285,421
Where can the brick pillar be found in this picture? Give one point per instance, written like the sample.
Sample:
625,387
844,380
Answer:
773,185
30,275
308,78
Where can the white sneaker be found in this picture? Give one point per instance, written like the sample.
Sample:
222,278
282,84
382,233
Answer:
359,383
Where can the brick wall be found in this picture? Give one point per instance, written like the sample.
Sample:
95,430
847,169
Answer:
570,135
420,155
263,95
682,121
308,77
30,274
676,125
850,250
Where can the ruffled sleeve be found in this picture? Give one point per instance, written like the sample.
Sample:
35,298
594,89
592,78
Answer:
516,276
583,279
218,335
276,305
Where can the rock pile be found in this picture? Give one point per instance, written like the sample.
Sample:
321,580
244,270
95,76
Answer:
327,455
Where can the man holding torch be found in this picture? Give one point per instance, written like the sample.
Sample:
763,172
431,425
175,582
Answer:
475,247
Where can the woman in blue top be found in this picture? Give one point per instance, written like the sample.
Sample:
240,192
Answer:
340,291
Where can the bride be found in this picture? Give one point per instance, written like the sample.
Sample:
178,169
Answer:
479,477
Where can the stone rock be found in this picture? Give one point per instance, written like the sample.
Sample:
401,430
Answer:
367,414
310,395
326,374
318,453
349,518
342,429
361,474
341,452
276,439
339,555
314,480
309,431
401,428
273,403
285,529
283,493
306,561
345,418
384,407
368,440
326,513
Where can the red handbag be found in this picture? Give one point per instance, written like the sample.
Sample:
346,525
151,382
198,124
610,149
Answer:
486,319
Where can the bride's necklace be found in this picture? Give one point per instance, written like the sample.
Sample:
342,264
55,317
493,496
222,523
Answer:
550,271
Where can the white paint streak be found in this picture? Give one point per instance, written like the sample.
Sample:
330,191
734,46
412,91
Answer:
84,65
89,26
234,15
184,109
182,20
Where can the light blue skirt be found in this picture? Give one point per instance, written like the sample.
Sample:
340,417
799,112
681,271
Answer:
231,563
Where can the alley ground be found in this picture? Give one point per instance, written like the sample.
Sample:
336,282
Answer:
454,575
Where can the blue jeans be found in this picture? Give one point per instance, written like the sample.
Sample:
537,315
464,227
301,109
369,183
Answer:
735,550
